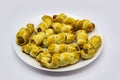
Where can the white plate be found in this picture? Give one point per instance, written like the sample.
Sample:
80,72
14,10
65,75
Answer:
32,62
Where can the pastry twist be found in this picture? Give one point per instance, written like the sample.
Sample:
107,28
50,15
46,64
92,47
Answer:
90,48
59,18
32,49
45,24
60,27
58,59
85,25
59,48
23,34
59,38
81,37
39,37
77,24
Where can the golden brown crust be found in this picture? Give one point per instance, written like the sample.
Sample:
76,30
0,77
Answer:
60,48
49,40
86,25
77,24
58,59
81,38
69,20
49,32
90,48
32,49
69,37
48,20
38,38
59,38
24,34
60,18
60,27
45,24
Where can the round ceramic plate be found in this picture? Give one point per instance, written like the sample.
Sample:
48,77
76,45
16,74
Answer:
32,62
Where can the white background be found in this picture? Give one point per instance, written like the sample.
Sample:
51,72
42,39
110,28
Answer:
104,13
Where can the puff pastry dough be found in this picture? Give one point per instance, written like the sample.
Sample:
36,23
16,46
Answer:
77,24
60,18
59,38
32,49
81,37
58,59
45,24
85,25
59,48
39,37
70,21
60,27
90,48
23,34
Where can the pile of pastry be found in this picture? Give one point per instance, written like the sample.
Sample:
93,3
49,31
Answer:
59,40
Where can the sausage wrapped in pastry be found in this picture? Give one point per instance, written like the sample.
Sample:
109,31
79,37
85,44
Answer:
70,21
58,59
81,38
59,48
23,34
59,38
39,37
45,24
85,25
63,18
90,48
77,24
60,27
32,49
59,18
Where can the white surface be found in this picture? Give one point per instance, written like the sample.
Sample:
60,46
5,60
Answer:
33,63
106,67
